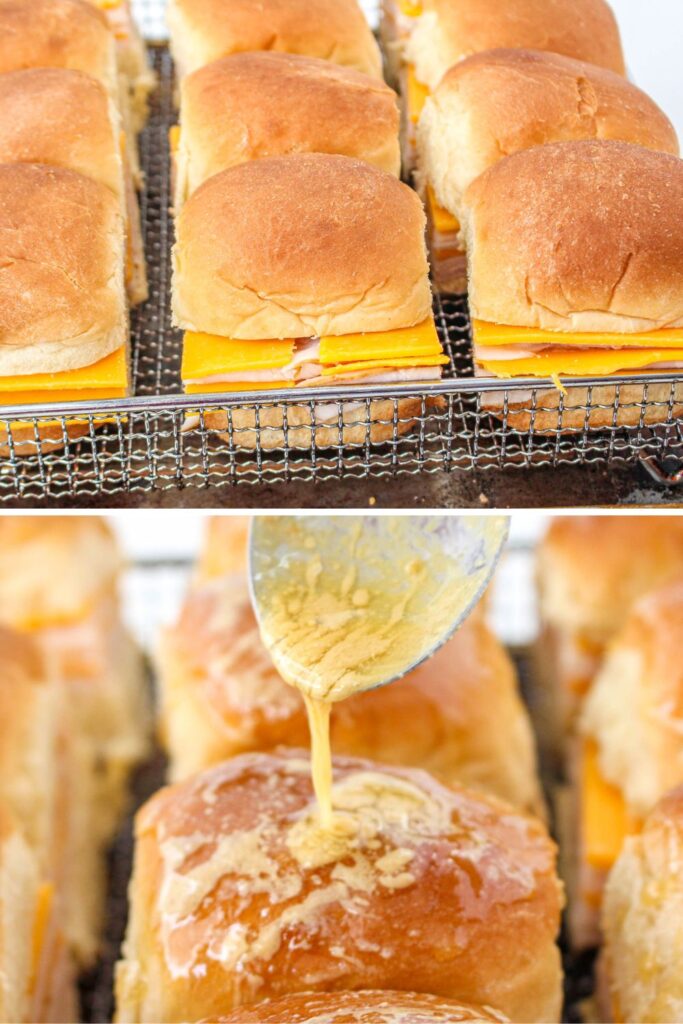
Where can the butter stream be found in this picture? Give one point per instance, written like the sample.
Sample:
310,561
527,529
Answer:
338,627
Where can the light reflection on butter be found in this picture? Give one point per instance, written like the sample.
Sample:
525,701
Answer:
343,617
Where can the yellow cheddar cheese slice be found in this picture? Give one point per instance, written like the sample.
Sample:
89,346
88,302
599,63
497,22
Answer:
43,912
605,821
247,385
208,355
174,138
561,362
443,221
107,378
417,95
411,8
486,333
407,342
385,364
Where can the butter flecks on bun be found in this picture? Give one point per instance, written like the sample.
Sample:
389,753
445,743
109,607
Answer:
221,695
360,1008
237,897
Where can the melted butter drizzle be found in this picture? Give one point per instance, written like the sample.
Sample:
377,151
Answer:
318,712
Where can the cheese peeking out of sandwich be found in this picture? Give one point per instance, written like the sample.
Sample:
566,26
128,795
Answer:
174,138
411,8
605,820
107,378
213,364
416,95
507,352
41,922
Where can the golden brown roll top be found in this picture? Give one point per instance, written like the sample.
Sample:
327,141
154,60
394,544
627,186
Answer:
62,300
359,1008
447,32
501,101
62,118
256,105
70,34
293,247
236,899
336,30
221,695
53,569
592,569
578,236
643,921
636,703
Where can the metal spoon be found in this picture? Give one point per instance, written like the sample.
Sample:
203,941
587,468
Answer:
374,557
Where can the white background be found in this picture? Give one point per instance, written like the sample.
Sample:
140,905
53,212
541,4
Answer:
652,31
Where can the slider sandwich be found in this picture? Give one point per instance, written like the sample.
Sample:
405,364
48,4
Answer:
66,119
424,38
591,570
361,1008
643,922
69,34
305,271
201,31
576,270
58,586
36,976
631,749
63,308
502,101
255,105
239,896
221,696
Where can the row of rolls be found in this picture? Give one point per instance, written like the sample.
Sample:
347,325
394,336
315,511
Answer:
74,86
553,189
448,904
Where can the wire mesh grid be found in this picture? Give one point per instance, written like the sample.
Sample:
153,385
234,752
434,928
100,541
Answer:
160,439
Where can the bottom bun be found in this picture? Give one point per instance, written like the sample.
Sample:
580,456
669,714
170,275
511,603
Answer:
361,1008
376,421
48,437
638,404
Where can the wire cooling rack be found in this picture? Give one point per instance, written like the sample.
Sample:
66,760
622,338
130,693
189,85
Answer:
160,439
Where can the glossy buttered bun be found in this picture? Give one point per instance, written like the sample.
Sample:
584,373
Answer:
221,696
360,1008
238,895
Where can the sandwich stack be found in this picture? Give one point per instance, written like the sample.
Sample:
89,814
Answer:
72,96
